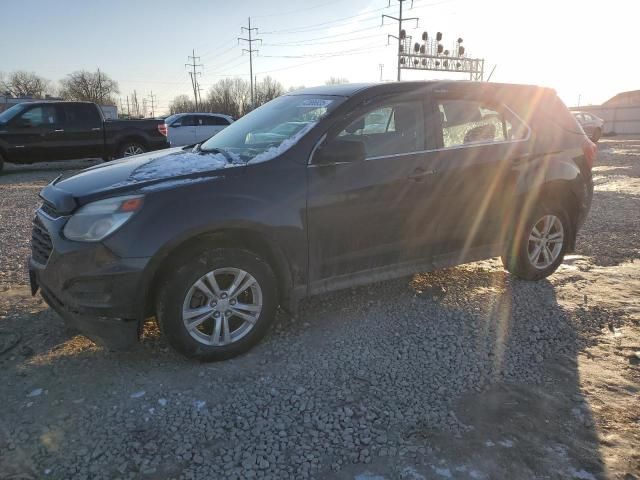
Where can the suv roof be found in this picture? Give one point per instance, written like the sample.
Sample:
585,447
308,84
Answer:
351,89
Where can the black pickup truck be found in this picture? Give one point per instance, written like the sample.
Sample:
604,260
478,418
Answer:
53,130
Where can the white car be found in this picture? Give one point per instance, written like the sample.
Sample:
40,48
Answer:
190,128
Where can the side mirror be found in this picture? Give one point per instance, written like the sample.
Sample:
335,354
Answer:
175,125
340,151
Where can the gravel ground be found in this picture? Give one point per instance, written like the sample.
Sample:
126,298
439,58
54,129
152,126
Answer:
462,373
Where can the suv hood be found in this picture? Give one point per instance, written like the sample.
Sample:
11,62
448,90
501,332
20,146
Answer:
154,170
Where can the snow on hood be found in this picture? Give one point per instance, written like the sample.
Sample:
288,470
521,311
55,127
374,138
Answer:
284,145
179,164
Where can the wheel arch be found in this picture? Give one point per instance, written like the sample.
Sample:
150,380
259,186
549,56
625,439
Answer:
242,238
559,192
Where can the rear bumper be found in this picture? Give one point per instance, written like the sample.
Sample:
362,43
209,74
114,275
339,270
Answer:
95,292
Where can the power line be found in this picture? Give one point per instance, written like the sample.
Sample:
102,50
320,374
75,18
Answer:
280,14
250,50
310,27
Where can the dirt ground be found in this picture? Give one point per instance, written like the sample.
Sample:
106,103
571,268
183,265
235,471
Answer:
556,396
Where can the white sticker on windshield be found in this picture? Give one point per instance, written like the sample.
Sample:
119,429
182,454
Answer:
315,103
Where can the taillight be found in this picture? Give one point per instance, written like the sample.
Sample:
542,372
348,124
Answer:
590,151
162,128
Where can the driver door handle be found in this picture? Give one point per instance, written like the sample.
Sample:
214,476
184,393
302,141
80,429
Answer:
59,130
419,174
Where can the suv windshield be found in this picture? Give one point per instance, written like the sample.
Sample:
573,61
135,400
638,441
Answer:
271,129
9,113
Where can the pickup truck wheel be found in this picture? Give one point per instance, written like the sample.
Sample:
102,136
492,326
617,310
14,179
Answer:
538,248
129,149
217,303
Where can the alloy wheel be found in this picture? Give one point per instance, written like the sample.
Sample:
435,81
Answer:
545,241
222,306
132,150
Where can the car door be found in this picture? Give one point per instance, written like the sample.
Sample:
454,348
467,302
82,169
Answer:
372,214
183,131
483,144
27,132
79,133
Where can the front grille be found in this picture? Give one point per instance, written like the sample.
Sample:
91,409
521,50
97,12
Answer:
49,210
41,245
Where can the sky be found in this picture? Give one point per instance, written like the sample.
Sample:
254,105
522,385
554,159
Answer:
585,49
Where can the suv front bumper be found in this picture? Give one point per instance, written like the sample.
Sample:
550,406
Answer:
92,289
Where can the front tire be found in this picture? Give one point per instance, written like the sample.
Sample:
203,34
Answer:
539,244
217,304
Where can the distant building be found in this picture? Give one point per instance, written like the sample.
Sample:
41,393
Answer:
624,99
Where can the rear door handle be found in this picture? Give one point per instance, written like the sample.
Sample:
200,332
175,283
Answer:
97,129
419,174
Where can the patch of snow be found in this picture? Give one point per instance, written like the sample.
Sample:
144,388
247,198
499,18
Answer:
35,393
411,474
581,474
284,145
489,444
476,475
177,164
47,471
152,410
139,394
199,404
162,401
506,443
443,472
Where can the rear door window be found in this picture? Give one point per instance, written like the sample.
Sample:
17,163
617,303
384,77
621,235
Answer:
472,122
214,121
81,116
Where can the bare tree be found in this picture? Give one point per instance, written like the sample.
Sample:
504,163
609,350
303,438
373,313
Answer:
182,104
24,84
267,90
336,80
89,86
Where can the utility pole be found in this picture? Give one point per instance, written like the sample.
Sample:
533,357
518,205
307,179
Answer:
194,74
381,67
401,33
250,51
152,98
128,109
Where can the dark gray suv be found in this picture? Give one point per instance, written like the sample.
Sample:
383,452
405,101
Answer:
374,182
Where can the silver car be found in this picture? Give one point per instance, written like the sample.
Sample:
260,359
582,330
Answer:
190,128
591,124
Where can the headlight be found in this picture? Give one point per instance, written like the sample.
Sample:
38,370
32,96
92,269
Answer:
96,220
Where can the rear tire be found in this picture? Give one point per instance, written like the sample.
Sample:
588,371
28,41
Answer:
535,253
222,318
597,133
130,148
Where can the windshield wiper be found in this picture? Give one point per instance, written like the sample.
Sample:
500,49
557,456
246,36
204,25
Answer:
224,153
